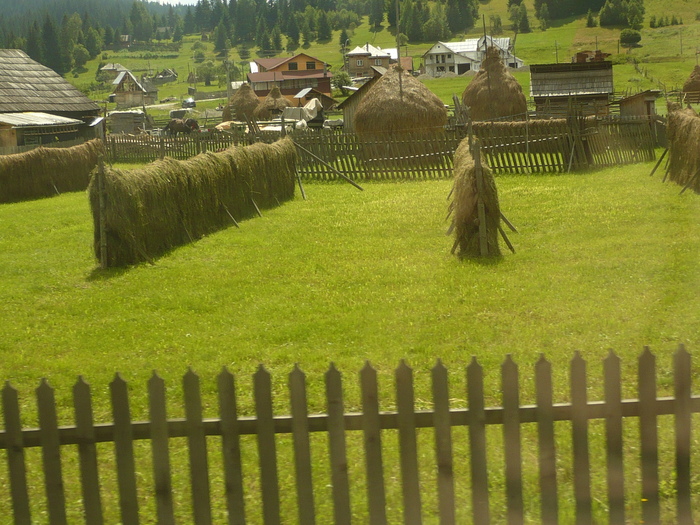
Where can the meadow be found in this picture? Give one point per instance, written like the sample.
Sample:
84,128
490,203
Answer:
606,259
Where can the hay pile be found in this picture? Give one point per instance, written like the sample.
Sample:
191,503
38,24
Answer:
44,172
464,209
169,203
692,86
494,92
241,105
387,110
272,106
683,134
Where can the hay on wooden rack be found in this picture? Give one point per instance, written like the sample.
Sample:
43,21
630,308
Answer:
464,206
169,203
272,106
683,152
494,92
44,172
400,122
241,105
691,87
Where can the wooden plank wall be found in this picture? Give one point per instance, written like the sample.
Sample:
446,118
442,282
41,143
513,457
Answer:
53,436
552,146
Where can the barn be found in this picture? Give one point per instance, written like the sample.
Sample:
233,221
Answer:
129,92
32,97
349,105
584,88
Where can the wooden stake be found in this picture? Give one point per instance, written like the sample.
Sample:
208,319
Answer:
505,238
229,214
301,188
329,167
692,179
103,207
508,223
483,242
659,162
256,207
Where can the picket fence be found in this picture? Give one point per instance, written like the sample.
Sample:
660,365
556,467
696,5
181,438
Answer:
372,423
560,146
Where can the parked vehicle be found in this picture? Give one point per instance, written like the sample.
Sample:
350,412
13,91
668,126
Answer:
189,103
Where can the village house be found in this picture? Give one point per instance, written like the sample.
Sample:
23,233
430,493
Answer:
112,69
359,61
290,75
583,88
37,105
130,92
466,55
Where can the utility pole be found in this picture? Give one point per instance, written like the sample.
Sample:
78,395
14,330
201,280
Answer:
398,50
556,51
680,33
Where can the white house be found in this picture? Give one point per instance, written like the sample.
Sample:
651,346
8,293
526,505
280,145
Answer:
467,55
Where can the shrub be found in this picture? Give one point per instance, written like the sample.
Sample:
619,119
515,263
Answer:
630,37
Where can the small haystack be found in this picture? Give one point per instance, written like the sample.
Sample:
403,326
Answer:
691,87
465,221
241,105
494,92
684,156
272,106
388,109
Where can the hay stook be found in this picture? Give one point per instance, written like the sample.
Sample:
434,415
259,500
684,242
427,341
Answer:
242,105
691,87
494,93
684,155
272,106
465,206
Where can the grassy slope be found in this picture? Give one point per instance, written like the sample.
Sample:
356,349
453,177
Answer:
604,260
659,53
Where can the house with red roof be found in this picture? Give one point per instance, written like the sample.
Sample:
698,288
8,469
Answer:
291,74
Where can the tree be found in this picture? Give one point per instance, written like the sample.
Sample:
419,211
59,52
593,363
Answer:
496,24
189,24
93,42
344,39
221,41
340,81
630,37
590,19
524,22
437,28
141,21
292,33
80,56
324,28
52,48
376,13
543,17
206,72
514,15
635,14
613,13
276,39
35,43
244,29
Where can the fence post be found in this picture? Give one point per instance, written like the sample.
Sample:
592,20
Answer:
102,213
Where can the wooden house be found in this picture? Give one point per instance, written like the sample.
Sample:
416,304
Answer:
291,75
466,55
349,105
112,69
129,92
29,87
359,61
583,88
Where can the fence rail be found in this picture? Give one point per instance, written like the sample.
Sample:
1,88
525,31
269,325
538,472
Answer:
371,422
524,147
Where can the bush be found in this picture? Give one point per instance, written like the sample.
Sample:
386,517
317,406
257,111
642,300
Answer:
630,37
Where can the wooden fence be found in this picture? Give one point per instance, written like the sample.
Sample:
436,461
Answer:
550,146
372,424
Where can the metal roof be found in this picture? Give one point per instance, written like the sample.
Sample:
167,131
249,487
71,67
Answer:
26,85
35,118
471,45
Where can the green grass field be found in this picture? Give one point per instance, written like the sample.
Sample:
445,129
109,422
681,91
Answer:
605,260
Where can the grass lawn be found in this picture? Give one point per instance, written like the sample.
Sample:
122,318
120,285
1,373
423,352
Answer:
608,259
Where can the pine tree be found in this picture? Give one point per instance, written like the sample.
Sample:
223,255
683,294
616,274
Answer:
544,17
324,28
52,48
34,43
376,13
524,23
292,33
590,19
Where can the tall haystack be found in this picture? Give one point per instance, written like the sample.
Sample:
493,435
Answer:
691,87
388,108
494,92
684,155
241,105
464,206
272,106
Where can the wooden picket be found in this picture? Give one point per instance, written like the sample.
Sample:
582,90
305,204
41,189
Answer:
538,146
53,439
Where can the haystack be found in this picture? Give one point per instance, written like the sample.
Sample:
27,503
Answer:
389,109
691,87
241,105
494,92
464,206
272,106
684,155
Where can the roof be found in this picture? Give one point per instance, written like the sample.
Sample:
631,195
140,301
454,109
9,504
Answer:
113,66
279,76
471,45
584,78
272,63
26,85
361,91
369,49
120,78
35,118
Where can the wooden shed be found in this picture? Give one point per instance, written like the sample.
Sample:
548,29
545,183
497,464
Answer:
583,88
35,128
639,105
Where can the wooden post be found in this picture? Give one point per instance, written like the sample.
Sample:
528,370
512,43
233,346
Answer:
483,244
102,208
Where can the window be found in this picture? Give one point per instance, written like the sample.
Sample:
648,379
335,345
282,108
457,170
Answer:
311,65
293,66
449,56
359,63
377,61
452,69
